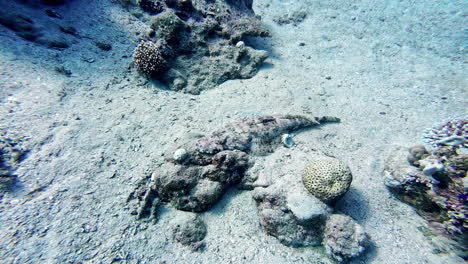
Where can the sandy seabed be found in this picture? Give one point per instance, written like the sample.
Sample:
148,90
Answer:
388,69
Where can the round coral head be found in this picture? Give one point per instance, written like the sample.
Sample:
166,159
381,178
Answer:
327,178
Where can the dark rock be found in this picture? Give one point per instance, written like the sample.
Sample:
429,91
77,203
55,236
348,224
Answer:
103,46
53,2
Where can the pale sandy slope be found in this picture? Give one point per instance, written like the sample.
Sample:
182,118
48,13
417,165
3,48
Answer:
383,68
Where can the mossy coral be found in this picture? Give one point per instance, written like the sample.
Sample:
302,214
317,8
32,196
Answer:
327,178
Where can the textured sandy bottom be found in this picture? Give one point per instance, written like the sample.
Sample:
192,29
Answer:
388,70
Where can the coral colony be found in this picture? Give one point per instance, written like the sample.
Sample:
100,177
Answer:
435,182
197,45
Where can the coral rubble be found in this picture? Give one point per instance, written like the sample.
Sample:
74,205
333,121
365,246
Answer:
202,43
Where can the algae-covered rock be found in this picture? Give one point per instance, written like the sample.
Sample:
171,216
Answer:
344,238
201,38
327,178
289,213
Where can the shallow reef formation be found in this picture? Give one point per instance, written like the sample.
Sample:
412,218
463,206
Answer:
436,184
199,43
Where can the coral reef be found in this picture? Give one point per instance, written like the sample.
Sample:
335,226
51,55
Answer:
189,230
344,238
327,178
197,172
437,187
201,38
453,132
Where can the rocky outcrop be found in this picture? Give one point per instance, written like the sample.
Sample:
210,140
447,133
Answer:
204,42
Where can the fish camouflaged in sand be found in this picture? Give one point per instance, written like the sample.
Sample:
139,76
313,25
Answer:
195,175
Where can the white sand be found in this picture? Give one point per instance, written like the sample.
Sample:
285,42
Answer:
381,66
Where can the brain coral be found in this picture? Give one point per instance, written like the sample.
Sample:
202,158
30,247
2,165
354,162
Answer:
327,178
